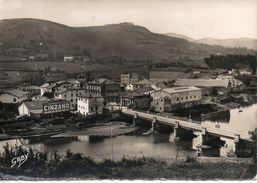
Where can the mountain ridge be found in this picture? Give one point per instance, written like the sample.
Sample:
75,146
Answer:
249,43
126,40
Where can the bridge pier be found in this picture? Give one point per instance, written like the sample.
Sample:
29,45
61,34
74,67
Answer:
134,120
174,135
231,147
153,124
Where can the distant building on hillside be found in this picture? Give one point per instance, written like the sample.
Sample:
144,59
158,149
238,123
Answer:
41,56
75,58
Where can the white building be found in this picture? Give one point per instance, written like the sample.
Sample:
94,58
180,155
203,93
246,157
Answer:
71,95
169,99
90,105
47,88
44,107
13,96
30,108
234,82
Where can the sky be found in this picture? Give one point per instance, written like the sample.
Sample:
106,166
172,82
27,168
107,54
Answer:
193,18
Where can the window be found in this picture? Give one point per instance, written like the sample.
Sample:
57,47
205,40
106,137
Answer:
181,98
65,95
194,96
14,100
71,100
190,96
71,95
186,97
178,99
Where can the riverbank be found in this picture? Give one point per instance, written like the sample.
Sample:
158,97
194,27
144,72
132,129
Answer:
32,127
75,166
104,130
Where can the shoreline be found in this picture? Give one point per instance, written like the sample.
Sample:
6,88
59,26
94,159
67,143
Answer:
78,167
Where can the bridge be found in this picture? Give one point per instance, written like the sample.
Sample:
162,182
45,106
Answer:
189,125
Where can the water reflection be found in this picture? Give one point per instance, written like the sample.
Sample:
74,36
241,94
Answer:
243,120
157,146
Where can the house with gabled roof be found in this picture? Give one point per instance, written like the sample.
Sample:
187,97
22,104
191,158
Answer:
13,96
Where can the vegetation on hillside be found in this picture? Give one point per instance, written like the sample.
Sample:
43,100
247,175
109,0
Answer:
25,37
232,62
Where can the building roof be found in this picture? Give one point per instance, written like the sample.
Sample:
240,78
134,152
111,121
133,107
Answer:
16,92
180,89
103,81
89,96
142,82
131,95
73,81
69,89
144,89
34,105
203,82
47,85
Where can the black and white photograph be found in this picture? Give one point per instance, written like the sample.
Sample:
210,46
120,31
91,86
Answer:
128,90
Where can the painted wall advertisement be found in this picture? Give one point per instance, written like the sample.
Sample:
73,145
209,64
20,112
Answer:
55,107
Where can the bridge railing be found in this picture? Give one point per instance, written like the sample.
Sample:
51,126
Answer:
188,124
167,115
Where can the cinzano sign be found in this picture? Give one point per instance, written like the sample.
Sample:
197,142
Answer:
56,106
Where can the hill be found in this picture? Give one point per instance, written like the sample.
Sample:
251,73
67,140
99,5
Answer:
248,43
239,42
21,37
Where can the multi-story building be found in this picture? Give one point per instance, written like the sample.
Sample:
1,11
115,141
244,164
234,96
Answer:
110,90
141,84
127,78
124,79
169,99
136,101
90,105
51,87
70,94
92,88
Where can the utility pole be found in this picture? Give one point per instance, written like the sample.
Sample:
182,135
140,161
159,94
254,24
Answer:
112,142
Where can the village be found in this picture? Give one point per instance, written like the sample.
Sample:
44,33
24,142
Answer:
165,91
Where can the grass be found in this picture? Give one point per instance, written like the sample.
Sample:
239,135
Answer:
76,166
